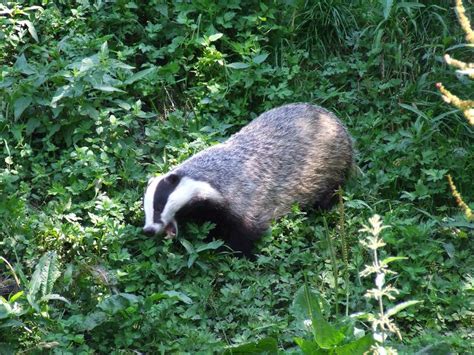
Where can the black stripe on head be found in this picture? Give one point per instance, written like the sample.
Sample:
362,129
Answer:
163,190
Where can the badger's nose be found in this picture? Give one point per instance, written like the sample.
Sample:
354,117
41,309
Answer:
149,230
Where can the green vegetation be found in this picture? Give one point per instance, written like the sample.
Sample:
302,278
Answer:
97,96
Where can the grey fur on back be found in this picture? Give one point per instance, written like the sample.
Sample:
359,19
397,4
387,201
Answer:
294,153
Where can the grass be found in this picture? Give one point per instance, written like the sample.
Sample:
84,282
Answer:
96,98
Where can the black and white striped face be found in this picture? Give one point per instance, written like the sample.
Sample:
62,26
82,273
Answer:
166,195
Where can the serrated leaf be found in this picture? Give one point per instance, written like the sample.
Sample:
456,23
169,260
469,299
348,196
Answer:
53,296
139,75
359,346
306,302
178,295
436,349
264,346
125,105
215,37
393,258
116,303
191,260
238,65
20,105
187,245
45,275
260,58
170,68
309,347
32,124
104,49
107,88
122,65
449,248
394,310
63,91
22,66
5,310
11,323
31,29
93,320
210,246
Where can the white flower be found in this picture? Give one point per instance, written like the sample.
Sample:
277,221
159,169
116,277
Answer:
380,280
358,333
379,337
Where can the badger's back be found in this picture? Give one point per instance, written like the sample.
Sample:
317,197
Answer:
295,153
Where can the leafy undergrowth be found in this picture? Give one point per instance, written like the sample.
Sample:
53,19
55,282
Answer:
97,97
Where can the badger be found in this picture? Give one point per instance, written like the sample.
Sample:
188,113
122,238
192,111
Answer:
294,154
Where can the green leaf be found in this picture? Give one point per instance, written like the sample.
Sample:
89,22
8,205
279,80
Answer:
139,75
394,310
31,29
309,347
306,303
264,346
16,296
387,7
170,68
238,65
191,260
45,275
104,49
53,296
410,5
414,110
210,246
20,105
187,245
22,66
5,309
107,88
11,323
32,124
119,302
359,346
436,349
63,91
215,37
393,258
260,58
93,320
178,295
169,294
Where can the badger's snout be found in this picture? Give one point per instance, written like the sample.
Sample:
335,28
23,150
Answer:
153,229
149,230
170,229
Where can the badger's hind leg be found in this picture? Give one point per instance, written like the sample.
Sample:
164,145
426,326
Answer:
328,199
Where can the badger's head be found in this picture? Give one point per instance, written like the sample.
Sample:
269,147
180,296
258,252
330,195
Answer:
166,195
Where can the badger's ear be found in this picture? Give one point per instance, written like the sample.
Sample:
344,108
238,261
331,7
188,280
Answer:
173,179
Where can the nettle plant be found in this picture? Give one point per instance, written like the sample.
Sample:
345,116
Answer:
381,321
343,336
466,106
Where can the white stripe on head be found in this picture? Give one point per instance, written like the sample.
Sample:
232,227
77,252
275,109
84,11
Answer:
148,200
187,190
